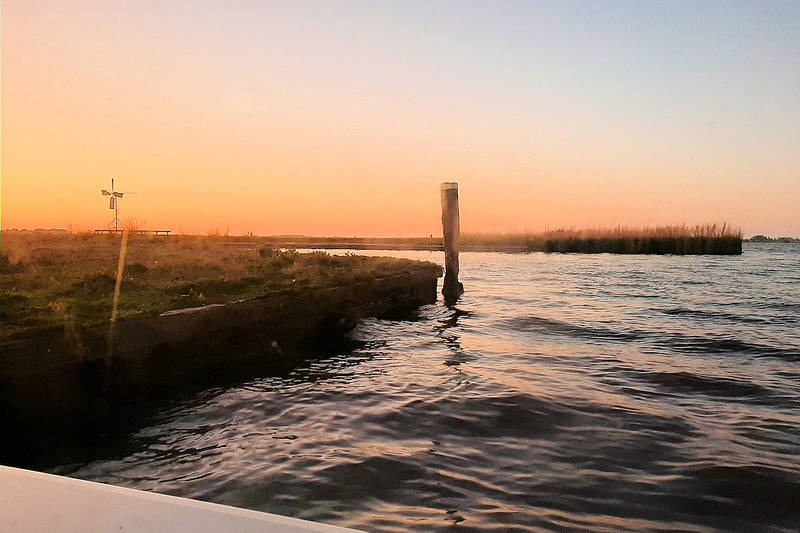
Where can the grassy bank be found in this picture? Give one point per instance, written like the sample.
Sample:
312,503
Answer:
53,279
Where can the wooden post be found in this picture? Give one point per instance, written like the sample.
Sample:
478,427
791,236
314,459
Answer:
451,229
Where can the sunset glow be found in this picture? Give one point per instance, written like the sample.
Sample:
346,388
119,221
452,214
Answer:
343,118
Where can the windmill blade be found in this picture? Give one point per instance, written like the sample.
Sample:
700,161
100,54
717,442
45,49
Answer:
118,194
105,192
111,202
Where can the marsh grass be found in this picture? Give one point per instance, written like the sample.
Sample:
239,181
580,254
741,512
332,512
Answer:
678,239
47,280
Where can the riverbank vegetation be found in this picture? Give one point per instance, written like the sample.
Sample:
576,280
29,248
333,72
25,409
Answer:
48,279
677,239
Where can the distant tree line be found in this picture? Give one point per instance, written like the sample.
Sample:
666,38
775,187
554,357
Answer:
764,238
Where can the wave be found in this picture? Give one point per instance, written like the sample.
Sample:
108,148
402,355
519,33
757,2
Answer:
745,492
548,325
716,315
726,345
685,343
683,382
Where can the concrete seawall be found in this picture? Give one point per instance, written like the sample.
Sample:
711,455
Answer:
60,376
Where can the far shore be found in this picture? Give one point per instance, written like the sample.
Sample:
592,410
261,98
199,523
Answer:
676,240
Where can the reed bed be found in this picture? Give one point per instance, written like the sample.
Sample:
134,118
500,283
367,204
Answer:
716,239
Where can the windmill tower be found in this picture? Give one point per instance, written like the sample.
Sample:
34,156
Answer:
113,203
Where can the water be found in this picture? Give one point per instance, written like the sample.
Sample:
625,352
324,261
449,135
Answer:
564,392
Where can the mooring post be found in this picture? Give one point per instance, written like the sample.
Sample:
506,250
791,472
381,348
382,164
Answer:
451,229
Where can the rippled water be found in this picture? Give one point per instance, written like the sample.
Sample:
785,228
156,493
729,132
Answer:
563,392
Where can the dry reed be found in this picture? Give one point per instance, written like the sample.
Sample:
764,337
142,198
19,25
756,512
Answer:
676,239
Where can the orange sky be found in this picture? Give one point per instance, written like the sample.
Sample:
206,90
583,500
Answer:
343,118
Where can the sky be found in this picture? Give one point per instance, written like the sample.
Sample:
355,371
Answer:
342,118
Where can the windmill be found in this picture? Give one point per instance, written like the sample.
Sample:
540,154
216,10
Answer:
113,203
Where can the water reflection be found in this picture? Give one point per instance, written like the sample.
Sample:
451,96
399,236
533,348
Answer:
447,332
